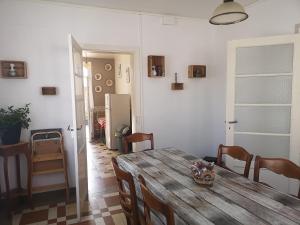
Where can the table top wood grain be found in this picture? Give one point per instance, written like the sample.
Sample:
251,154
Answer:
232,200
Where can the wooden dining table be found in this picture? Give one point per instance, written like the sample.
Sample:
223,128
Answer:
231,200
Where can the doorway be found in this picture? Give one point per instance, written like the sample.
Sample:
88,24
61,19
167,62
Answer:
108,90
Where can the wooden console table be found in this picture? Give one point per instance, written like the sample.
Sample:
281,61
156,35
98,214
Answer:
15,150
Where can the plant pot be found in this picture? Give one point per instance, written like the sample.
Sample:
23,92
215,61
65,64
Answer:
10,134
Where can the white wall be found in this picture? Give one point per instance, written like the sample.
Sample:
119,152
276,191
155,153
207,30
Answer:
191,119
121,84
37,33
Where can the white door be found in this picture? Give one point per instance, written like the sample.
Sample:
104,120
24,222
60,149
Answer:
76,68
263,101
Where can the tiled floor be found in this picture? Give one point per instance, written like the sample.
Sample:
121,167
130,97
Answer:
103,207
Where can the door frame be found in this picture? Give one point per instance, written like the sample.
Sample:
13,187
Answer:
294,154
137,86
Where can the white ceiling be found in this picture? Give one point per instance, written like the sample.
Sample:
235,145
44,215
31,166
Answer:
187,8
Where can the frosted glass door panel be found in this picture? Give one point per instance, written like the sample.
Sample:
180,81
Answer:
263,119
263,90
265,59
263,145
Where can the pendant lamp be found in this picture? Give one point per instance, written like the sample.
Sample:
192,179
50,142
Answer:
229,12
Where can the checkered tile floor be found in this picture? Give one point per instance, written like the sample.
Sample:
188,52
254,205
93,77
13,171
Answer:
103,207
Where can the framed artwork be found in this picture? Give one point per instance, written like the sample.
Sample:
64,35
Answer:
108,67
98,89
98,76
109,83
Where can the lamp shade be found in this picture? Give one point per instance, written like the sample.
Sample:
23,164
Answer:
229,12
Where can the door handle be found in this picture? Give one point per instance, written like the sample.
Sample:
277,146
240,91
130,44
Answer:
233,122
71,129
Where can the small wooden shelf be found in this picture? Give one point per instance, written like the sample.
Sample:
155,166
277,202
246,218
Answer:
19,66
177,86
157,64
48,90
197,71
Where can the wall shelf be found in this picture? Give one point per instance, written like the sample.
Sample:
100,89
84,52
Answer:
196,71
13,69
156,66
177,86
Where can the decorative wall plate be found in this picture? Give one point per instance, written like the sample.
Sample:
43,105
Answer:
98,76
109,83
98,89
107,67
128,75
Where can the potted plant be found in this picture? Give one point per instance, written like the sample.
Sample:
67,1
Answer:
12,120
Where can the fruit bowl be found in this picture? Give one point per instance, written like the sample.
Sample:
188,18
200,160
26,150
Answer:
203,173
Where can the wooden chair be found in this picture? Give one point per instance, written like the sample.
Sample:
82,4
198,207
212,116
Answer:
128,200
48,157
152,202
235,152
137,137
280,166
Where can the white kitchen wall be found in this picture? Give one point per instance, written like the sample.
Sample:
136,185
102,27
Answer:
191,119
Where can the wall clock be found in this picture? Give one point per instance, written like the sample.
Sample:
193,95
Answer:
98,89
98,76
109,83
107,67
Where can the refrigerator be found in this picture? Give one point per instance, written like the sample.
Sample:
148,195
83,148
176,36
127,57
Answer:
117,114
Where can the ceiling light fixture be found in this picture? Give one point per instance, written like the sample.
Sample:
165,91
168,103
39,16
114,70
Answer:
229,12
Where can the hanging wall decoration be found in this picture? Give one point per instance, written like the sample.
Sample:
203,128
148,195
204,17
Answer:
98,76
98,89
119,74
128,75
108,67
109,83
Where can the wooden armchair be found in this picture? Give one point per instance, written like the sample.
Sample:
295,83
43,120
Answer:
137,137
235,152
152,202
128,200
280,166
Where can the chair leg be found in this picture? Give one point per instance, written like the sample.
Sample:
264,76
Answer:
66,178
128,220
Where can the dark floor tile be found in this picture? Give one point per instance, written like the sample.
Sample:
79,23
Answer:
34,217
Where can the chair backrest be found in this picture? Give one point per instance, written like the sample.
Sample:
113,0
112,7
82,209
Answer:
128,198
277,165
47,141
137,137
152,202
235,152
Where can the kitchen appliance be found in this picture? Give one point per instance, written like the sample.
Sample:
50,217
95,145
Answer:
117,113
